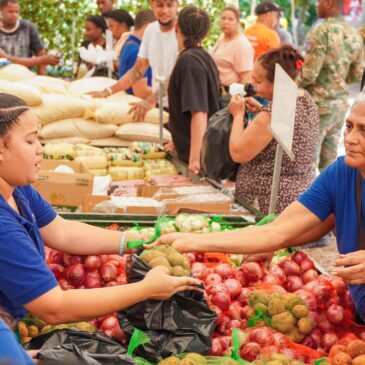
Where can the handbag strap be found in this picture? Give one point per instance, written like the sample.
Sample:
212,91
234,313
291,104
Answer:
360,223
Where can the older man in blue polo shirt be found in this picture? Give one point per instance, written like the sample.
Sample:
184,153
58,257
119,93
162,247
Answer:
334,201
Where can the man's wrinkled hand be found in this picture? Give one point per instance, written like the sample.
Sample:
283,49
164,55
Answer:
139,110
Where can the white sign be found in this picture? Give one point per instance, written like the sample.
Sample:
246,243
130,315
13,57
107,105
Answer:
283,110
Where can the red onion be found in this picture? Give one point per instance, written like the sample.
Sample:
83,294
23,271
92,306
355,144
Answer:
212,278
289,353
309,298
250,351
70,260
279,339
224,270
108,272
111,283
335,314
109,323
252,271
65,285
307,264
234,310
299,256
222,300
262,335
55,257
216,349
320,291
323,323
293,283
339,284
56,269
119,334
225,342
243,296
234,287
241,278
219,314
92,262
199,270
92,282
236,323
75,275
290,267
278,272
309,275
328,340
225,327
216,288
271,279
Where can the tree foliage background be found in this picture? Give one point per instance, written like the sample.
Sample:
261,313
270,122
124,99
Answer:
61,21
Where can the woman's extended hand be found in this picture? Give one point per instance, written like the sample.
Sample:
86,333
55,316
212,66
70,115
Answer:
252,105
159,285
351,267
237,106
179,241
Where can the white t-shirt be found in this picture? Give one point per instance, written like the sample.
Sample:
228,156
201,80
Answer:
161,51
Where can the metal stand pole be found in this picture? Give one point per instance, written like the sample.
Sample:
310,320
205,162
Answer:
73,48
276,179
160,104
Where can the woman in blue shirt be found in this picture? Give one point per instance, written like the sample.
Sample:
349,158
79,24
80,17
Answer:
28,222
330,203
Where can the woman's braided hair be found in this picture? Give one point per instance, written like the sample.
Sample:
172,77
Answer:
194,25
11,108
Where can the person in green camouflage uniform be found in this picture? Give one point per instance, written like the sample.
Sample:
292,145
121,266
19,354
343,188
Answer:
334,58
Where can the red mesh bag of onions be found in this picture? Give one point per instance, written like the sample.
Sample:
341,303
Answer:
263,342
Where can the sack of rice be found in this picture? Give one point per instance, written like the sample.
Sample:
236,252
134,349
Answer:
83,86
113,113
142,132
48,85
59,107
118,113
77,127
98,172
58,151
149,150
86,150
30,94
167,171
111,141
118,173
15,72
93,162
156,164
69,140
123,97
125,158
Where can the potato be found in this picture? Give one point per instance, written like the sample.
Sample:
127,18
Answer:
359,360
33,331
356,348
336,349
342,358
23,330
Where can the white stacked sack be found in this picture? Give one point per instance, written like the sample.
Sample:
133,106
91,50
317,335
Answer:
67,114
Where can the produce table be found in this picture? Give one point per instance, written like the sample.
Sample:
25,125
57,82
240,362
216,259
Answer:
103,220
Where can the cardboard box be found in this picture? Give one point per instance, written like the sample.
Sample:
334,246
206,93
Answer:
174,207
91,200
64,191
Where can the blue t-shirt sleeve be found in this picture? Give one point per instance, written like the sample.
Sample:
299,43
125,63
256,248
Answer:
11,351
318,197
43,212
24,276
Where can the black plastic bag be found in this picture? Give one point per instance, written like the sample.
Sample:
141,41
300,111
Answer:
183,323
72,346
216,160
